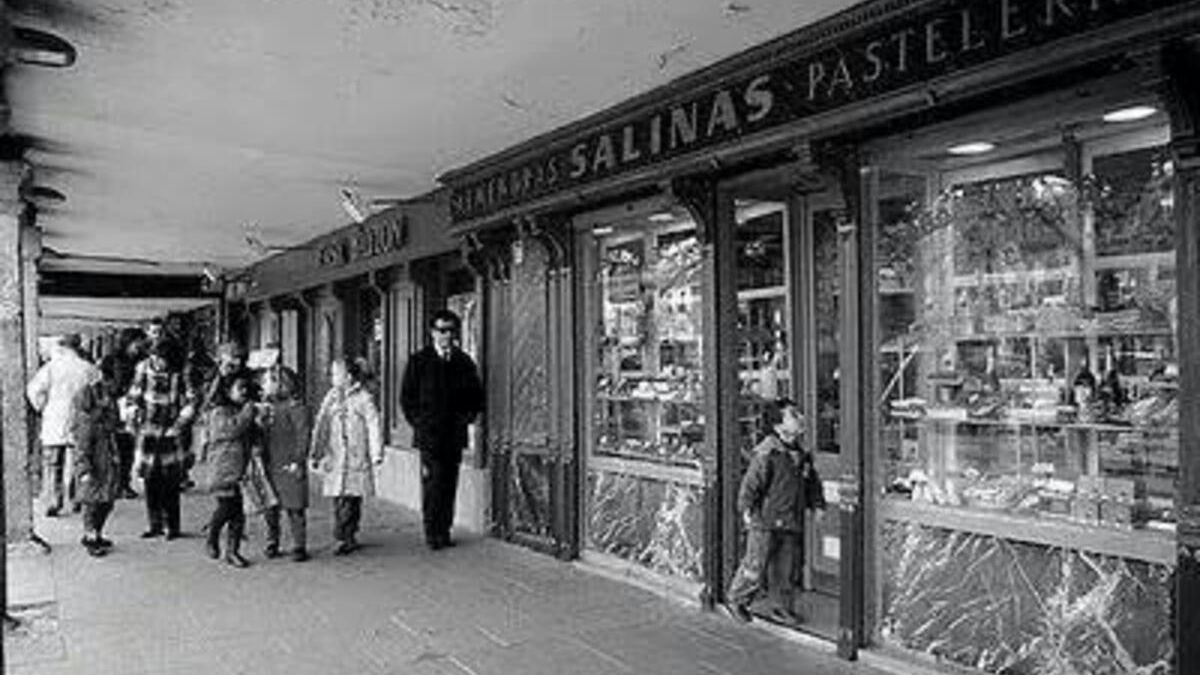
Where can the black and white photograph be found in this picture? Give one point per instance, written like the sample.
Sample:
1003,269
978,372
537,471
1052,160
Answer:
600,337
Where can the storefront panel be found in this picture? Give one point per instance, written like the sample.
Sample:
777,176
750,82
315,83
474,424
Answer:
646,432
1027,375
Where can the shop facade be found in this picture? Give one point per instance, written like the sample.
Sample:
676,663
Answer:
369,290
962,236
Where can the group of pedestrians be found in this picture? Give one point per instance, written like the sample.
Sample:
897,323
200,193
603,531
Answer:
249,438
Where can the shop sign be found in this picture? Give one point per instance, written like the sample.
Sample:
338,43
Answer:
934,40
371,240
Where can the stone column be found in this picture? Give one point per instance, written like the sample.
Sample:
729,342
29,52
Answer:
13,365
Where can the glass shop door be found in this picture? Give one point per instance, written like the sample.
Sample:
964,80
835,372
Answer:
788,278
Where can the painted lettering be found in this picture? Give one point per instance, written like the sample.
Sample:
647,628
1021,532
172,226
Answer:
629,151
876,61
683,126
841,78
934,53
901,40
723,114
656,135
816,75
552,171
605,157
759,98
1010,21
970,42
578,160
1054,7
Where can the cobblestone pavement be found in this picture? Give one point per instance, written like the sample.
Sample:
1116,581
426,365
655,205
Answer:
482,608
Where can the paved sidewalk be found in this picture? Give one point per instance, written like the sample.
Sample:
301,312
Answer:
483,608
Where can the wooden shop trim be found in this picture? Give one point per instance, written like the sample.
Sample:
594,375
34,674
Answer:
409,231
819,71
1145,545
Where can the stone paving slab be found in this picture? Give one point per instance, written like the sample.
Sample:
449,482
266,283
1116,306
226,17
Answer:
483,608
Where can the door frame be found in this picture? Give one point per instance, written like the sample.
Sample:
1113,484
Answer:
805,189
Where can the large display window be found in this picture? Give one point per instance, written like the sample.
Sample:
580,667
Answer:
644,345
1027,378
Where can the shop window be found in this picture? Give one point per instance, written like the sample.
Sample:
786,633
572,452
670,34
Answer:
1027,381
645,400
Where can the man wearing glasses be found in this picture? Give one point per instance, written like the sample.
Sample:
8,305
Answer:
441,394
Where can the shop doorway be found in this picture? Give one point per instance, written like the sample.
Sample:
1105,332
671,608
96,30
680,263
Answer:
788,277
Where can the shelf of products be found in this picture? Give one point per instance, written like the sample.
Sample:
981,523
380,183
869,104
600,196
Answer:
1028,358
648,377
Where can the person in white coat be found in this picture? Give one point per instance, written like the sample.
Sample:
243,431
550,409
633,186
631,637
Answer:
347,445
52,392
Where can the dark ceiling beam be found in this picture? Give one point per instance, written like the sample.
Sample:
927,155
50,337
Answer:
109,285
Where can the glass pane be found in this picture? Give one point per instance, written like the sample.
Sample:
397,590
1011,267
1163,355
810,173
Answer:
763,353
645,496
649,353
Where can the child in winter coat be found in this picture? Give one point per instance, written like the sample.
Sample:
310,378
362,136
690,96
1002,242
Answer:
97,461
230,429
285,455
347,445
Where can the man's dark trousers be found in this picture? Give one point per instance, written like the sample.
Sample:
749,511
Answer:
439,484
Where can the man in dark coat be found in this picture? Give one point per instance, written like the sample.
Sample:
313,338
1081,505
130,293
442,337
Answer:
441,394
779,486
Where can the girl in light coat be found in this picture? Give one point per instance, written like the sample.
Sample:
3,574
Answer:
347,444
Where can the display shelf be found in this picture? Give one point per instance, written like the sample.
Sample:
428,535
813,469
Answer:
1062,335
646,399
942,417
657,469
1152,546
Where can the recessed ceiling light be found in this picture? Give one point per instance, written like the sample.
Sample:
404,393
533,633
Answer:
602,230
662,217
975,148
1130,114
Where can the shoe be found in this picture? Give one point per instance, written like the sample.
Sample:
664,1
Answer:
345,548
299,555
174,534
738,611
781,615
151,534
271,551
128,493
435,545
102,542
212,549
447,542
76,507
52,512
96,551
235,559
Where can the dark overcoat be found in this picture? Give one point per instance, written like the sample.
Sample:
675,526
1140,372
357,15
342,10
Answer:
440,397
96,456
285,438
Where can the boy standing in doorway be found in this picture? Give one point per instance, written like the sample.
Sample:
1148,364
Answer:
779,486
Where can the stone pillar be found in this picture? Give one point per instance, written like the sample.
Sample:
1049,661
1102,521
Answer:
1180,62
18,505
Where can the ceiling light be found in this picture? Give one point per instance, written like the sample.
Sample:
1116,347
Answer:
1130,114
662,217
39,48
602,230
975,148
